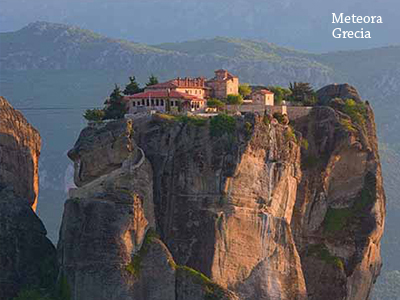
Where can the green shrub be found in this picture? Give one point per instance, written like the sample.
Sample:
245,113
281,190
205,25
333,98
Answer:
244,90
95,115
266,120
249,128
234,99
215,103
63,289
289,135
348,125
222,124
336,219
356,111
321,252
212,290
135,266
279,117
304,144
193,120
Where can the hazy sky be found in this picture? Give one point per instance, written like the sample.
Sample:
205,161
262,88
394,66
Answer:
305,24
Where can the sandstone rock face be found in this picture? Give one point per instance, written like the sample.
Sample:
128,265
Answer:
106,248
338,219
224,208
19,153
343,91
262,212
27,257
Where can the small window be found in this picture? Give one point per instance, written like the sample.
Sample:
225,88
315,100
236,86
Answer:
172,103
143,102
162,102
158,102
147,102
152,102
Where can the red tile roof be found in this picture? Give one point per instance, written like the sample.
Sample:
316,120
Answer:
180,83
163,94
264,92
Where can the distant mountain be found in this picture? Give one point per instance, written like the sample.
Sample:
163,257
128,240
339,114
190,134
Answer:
303,24
53,72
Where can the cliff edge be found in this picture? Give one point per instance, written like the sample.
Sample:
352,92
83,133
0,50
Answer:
27,257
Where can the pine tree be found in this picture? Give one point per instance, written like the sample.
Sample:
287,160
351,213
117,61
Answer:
116,107
152,80
302,92
132,87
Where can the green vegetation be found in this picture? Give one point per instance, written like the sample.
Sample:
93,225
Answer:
95,115
356,111
249,128
234,99
279,117
61,292
290,135
222,124
266,120
302,92
311,161
337,218
192,120
32,294
135,266
115,108
280,93
152,80
244,90
132,87
321,252
215,103
212,291
348,125
304,144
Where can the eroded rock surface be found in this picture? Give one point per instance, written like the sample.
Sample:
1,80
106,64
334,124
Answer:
172,210
343,91
19,153
27,257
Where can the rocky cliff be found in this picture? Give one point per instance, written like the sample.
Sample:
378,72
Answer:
228,208
27,257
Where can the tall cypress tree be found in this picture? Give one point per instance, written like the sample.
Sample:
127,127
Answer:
116,107
152,80
132,87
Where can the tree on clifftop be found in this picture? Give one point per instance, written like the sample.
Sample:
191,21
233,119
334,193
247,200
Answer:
152,80
94,115
215,103
302,92
132,87
234,99
280,94
244,90
115,106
